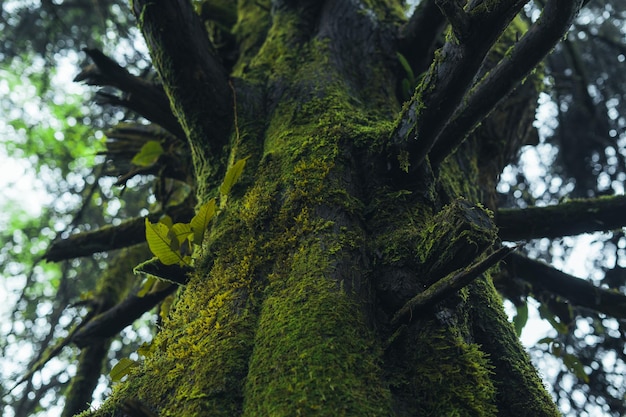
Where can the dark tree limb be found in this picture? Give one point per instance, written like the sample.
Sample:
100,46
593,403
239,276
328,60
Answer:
129,232
449,78
576,290
113,320
80,392
543,35
565,219
459,20
145,98
450,284
193,77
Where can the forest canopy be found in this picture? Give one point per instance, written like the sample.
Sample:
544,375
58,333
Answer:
85,114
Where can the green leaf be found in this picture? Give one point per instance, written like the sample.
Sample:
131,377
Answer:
181,231
146,286
575,366
520,319
407,67
201,220
159,242
122,368
149,154
232,176
175,274
546,313
406,89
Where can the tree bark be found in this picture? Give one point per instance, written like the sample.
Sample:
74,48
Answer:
290,308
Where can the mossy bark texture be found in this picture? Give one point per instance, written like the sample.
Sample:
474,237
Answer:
288,311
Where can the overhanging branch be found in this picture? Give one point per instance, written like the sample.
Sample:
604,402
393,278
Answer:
449,78
577,291
450,284
192,74
145,98
565,219
113,320
542,36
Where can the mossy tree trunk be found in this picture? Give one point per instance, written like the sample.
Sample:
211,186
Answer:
351,205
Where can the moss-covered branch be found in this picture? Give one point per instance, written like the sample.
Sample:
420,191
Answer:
577,291
566,219
450,76
512,372
525,55
192,75
450,284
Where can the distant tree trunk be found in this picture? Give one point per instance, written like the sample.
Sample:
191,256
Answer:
325,286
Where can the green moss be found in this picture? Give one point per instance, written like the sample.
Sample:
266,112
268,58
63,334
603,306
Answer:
451,377
313,352
520,391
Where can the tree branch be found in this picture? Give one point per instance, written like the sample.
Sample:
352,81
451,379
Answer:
459,20
113,320
80,392
145,98
448,79
128,233
576,290
450,284
193,77
543,35
565,219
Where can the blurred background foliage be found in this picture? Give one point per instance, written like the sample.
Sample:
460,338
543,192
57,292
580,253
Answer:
51,134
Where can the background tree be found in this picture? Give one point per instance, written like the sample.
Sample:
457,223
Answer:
349,269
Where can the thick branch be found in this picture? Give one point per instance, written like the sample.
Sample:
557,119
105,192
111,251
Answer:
459,20
193,77
565,219
80,393
128,233
449,78
543,35
112,321
577,291
450,284
145,98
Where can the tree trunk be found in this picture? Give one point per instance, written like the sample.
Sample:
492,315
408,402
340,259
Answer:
303,301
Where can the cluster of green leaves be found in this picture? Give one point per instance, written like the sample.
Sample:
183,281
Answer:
173,243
